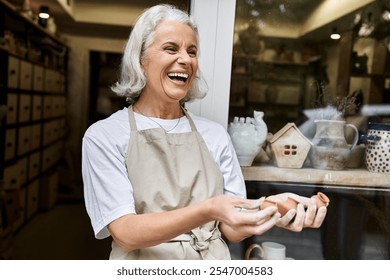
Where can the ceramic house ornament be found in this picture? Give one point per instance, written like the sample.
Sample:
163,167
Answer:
289,147
248,134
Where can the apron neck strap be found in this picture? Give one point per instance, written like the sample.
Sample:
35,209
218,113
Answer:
133,125
193,127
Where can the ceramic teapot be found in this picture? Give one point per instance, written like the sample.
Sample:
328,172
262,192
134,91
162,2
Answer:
247,135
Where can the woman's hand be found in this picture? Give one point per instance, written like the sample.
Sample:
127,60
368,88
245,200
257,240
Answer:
241,218
305,215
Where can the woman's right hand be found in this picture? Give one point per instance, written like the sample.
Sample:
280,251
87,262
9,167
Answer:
240,218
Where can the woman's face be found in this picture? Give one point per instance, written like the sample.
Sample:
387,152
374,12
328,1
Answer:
171,61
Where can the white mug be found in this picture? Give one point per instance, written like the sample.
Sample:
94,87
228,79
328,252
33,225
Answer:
268,251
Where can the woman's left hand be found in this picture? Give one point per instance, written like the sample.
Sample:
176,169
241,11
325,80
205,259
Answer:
306,214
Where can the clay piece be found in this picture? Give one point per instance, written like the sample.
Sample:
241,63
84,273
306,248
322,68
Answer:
283,206
322,199
290,203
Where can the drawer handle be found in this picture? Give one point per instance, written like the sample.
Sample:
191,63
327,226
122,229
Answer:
10,145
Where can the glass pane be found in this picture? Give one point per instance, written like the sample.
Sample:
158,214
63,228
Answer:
286,64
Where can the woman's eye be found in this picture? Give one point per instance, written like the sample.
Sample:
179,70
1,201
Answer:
170,50
192,53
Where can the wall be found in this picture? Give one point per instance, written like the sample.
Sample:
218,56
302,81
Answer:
78,89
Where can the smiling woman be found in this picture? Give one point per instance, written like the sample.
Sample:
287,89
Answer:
164,183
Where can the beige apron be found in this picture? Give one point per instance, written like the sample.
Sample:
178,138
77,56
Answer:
170,171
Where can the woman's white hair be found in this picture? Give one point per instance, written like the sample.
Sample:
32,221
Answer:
132,79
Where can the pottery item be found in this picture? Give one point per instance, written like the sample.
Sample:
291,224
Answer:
330,150
267,251
289,147
321,199
378,147
248,134
283,206
290,203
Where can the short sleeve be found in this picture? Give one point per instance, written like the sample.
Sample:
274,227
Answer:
108,192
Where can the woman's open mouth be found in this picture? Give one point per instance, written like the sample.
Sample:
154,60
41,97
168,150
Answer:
182,77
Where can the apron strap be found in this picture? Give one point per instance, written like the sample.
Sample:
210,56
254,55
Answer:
193,127
199,239
133,125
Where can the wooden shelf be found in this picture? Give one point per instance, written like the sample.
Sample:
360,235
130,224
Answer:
30,22
349,178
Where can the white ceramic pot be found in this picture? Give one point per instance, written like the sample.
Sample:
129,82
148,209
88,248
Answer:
247,135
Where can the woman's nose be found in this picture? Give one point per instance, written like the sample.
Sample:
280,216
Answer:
184,58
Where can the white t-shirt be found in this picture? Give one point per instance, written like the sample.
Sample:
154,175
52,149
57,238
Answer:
107,189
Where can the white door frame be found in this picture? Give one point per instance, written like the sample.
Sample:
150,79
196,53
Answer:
215,20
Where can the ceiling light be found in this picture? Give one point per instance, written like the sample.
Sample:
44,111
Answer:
44,12
335,35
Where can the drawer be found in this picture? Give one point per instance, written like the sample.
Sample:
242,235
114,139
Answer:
10,144
49,81
11,177
25,75
32,198
24,108
23,168
12,108
37,78
48,132
56,106
36,107
36,136
24,141
33,169
47,106
13,72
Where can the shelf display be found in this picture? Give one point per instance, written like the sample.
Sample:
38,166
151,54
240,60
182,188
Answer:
33,91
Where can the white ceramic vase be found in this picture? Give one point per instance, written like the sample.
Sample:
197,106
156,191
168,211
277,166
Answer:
248,134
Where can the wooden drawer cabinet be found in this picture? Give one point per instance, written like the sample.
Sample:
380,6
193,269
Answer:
25,75
37,78
12,108
36,107
10,144
24,140
13,72
24,108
